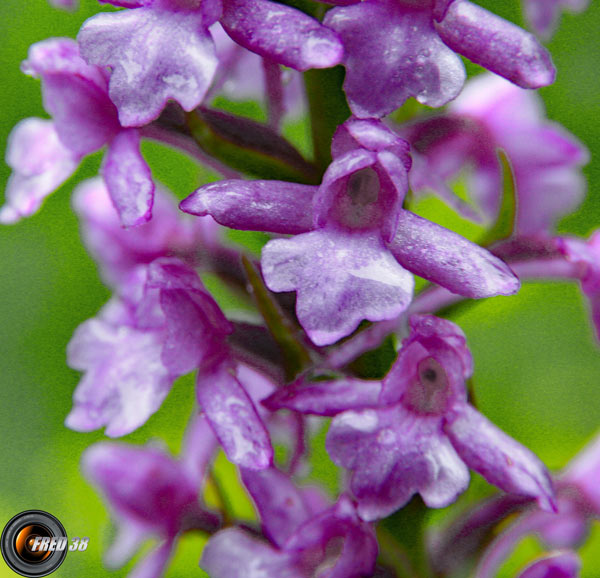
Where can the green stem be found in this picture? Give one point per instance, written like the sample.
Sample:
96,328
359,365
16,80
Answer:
296,357
402,538
249,147
328,109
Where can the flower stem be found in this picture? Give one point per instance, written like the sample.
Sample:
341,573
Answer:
328,109
404,533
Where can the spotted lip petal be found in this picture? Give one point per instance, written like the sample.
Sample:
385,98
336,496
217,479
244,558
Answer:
340,279
291,38
156,53
392,455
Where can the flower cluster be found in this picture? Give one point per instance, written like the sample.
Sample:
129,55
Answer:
334,279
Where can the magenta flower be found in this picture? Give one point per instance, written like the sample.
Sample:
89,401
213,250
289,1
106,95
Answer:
493,114
119,251
586,255
415,431
543,15
350,256
40,164
162,50
151,495
396,50
578,501
578,481
557,565
305,537
84,120
161,324
164,325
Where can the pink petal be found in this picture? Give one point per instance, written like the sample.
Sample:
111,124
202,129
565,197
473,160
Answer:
271,206
442,256
340,279
233,417
156,54
292,38
500,459
496,44
128,179
393,53
40,164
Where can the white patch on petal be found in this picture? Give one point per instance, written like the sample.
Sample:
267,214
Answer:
365,421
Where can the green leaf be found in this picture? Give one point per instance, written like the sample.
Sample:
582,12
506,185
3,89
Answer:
296,357
376,363
249,147
504,225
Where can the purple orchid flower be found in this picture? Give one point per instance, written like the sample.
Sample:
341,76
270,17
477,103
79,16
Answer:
493,114
415,431
164,325
556,565
244,75
396,50
119,251
543,15
152,495
161,312
40,164
162,50
578,504
353,241
305,537
586,255
43,154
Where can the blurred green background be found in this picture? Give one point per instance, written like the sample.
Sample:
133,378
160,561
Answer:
536,362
